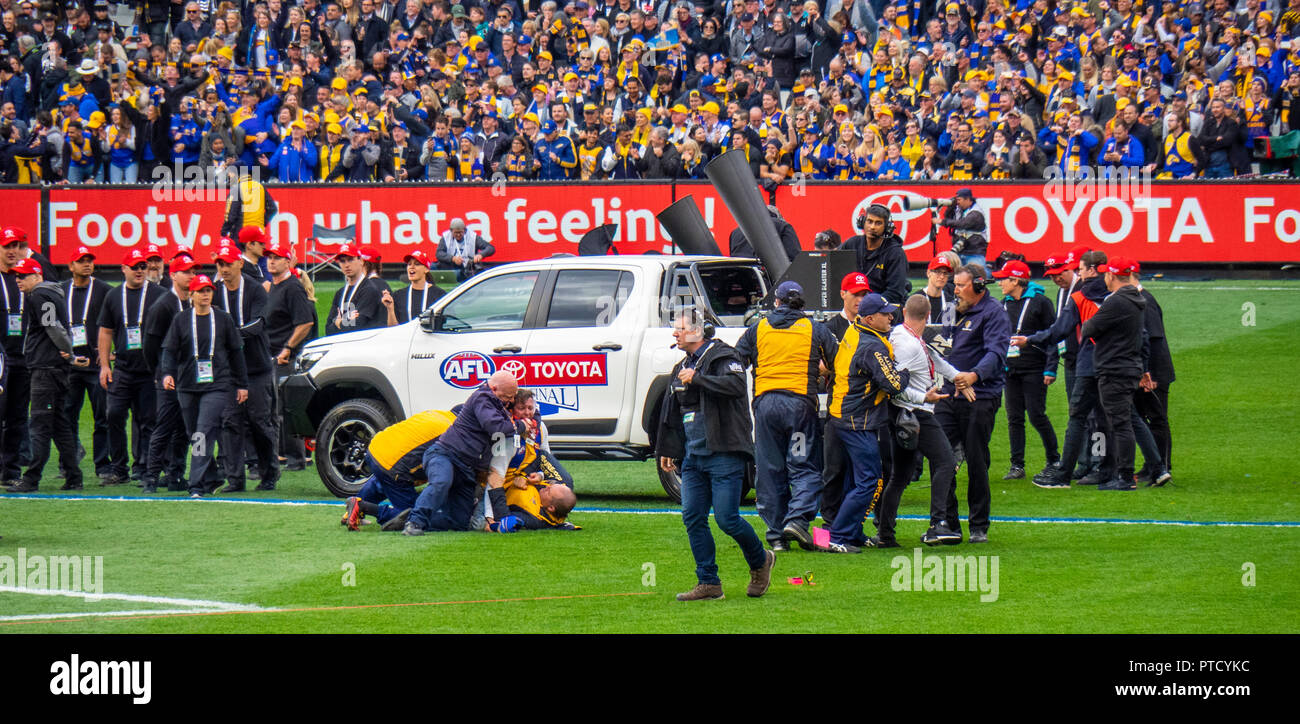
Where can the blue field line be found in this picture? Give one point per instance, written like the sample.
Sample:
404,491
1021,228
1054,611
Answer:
673,511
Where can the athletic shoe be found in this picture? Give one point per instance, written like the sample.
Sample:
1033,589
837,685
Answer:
876,542
761,578
1051,477
841,548
1080,471
1143,476
981,536
1118,483
1015,473
412,529
196,495
267,485
1160,479
703,592
798,532
111,479
780,546
940,533
70,486
352,514
1051,470
1093,478
22,486
232,488
397,522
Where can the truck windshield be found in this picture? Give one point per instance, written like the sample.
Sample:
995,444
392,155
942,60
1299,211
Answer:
732,291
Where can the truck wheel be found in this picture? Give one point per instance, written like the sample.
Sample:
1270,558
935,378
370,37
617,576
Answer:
342,442
672,482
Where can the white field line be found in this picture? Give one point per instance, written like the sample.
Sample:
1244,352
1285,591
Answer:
193,605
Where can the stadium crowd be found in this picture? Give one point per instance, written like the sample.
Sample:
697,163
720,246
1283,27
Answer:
404,90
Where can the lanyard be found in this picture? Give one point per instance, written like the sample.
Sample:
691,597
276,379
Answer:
194,333
126,321
424,300
346,299
1060,302
1024,308
90,292
21,298
923,351
225,300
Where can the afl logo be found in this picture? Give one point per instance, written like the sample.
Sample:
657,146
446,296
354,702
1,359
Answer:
912,237
466,370
515,367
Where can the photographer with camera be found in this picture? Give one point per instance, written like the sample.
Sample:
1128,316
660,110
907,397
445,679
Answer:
880,253
969,227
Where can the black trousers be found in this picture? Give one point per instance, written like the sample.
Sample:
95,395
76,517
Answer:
971,425
932,444
49,392
203,412
1116,395
293,449
251,421
834,468
169,442
17,399
1079,439
1025,392
83,384
1153,407
129,393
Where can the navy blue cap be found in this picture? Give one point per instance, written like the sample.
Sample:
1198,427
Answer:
785,290
873,303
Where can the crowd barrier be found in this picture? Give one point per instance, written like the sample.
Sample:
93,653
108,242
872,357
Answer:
1199,222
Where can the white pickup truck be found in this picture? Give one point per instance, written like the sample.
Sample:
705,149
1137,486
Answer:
590,335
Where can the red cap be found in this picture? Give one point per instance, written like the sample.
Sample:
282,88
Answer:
1054,265
250,234
226,241
152,251
1073,258
1118,265
854,283
349,250
184,263
200,281
275,248
12,234
133,257
1014,269
939,262
27,266
83,252
226,255
183,252
418,256
369,253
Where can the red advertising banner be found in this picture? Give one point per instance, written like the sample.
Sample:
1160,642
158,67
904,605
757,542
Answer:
22,208
1160,222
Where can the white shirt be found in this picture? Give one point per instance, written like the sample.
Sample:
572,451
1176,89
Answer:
911,355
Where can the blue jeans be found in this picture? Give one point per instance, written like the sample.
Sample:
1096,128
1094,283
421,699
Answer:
974,259
716,481
380,487
447,502
863,486
119,175
787,445
78,174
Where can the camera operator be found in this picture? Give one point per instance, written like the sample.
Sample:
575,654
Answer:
970,229
880,253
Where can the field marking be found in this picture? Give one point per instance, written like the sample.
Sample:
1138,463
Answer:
677,511
1229,289
195,605
126,615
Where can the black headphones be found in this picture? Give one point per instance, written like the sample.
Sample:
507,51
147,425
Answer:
978,283
877,210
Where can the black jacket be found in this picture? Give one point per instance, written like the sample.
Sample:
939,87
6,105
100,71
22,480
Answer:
46,321
886,267
250,320
157,323
719,391
1159,363
1038,314
111,316
366,311
87,315
1118,330
228,370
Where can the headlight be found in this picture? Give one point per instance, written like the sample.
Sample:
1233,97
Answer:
308,359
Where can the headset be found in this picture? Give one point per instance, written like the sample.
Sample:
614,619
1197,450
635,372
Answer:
877,210
978,283
706,327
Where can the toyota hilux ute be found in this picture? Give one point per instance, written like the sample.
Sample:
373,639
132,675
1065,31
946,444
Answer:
590,335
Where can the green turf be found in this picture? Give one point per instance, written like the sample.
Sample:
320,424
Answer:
1234,420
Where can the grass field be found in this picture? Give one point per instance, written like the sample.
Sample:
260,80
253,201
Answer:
1068,561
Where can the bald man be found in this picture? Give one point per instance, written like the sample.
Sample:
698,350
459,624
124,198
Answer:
482,439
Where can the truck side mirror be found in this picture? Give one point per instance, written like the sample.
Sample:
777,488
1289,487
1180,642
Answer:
430,321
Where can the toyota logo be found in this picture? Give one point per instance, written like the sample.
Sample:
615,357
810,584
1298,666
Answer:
515,367
893,199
